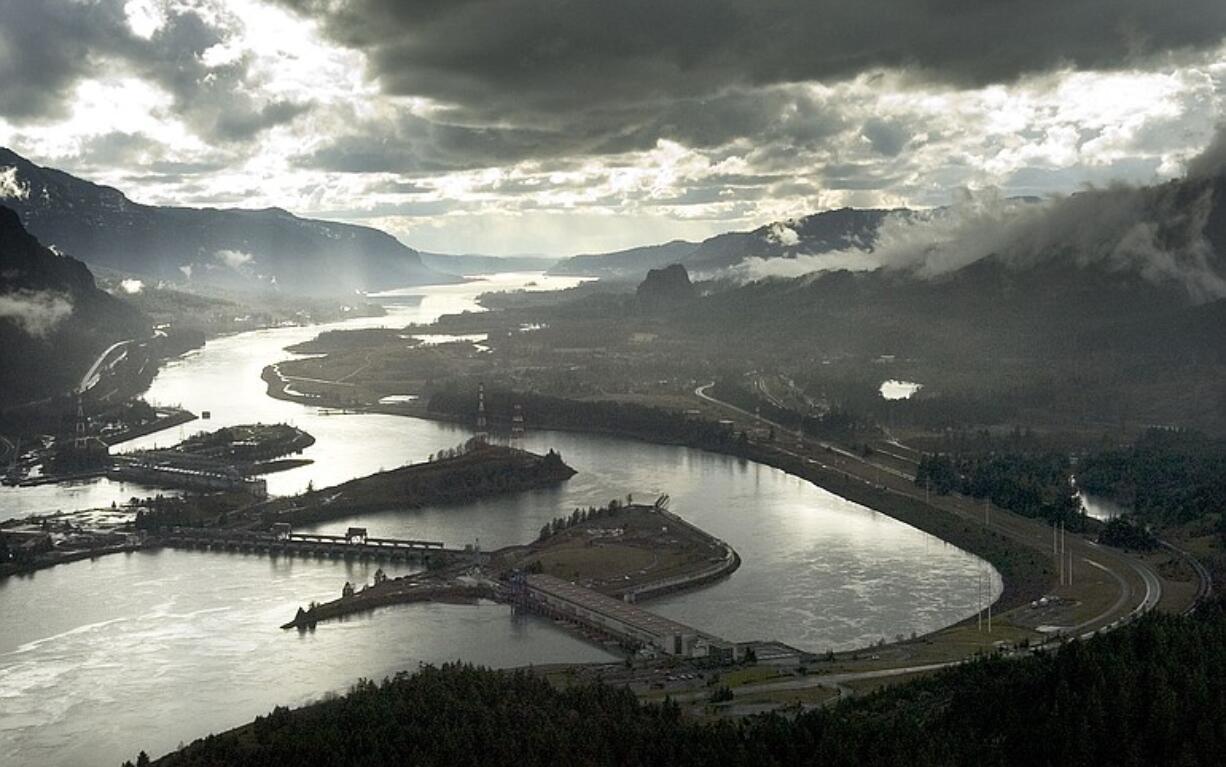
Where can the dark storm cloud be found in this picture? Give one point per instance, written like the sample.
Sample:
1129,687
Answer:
557,59
887,138
789,116
47,46
242,124
413,145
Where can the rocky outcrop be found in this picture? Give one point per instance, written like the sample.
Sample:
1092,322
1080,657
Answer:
665,287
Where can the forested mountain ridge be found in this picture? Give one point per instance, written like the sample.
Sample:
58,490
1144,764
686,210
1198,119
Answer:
252,250
53,319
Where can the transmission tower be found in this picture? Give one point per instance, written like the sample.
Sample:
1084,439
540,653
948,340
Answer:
482,425
517,422
80,439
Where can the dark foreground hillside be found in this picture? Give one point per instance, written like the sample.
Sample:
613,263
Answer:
1153,693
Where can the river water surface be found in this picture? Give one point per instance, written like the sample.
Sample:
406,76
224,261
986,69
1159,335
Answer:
101,659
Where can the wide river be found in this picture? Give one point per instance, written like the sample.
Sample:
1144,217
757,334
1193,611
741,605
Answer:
143,651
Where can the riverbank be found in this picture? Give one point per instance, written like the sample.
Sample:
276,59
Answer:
1025,572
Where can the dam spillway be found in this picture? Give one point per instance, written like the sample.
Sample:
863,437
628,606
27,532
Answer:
304,544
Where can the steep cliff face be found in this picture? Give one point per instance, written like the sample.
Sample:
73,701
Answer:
253,250
53,319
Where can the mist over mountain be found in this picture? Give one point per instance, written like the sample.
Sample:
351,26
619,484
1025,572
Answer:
54,320
1169,233
817,233
1136,268
252,250
832,230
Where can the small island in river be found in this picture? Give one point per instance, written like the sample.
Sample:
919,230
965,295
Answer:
473,470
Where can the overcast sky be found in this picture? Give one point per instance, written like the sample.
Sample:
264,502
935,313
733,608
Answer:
548,126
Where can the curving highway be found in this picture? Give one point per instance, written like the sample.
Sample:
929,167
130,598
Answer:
1140,589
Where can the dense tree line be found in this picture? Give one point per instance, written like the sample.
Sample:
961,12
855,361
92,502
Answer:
461,474
1166,477
162,511
1031,484
542,411
578,516
249,442
1150,693
1123,533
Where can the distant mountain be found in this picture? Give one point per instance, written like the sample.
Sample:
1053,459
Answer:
467,264
232,248
810,235
631,264
54,321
